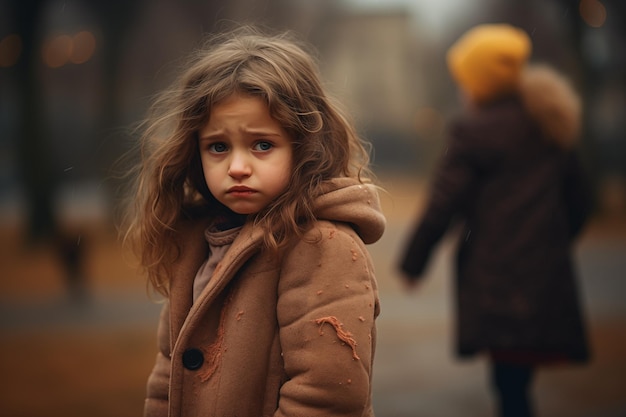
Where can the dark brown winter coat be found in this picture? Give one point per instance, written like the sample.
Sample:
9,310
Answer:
510,176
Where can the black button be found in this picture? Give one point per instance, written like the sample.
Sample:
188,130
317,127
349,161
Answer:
193,359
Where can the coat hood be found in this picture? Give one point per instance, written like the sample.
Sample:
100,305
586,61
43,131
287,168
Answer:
347,200
552,103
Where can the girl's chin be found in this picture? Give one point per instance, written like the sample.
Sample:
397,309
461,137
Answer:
243,209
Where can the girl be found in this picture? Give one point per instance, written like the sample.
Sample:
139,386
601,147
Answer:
511,174
251,212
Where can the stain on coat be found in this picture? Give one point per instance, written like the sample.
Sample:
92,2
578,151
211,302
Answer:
342,334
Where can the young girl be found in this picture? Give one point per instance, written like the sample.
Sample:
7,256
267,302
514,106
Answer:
252,209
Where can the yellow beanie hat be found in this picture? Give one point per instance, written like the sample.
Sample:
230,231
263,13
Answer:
487,60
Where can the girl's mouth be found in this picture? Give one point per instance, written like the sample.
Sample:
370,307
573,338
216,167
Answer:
240,190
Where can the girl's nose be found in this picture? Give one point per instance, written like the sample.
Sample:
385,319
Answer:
239,166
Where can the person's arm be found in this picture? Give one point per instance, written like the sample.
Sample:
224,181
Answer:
326,309
577,194
157,396
450,189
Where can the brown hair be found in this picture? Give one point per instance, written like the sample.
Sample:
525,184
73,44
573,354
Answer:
170,180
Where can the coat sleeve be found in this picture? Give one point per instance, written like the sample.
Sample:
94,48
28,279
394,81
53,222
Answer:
577,194
157,404
450,189
326,309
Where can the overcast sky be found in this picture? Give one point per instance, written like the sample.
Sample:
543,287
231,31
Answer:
437,14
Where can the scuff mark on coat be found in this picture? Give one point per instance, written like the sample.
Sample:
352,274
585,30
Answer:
214,351
342,334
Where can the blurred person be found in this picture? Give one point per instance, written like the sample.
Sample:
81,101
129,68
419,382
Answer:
253,205
511,177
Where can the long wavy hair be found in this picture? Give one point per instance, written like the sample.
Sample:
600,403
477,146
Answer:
169,181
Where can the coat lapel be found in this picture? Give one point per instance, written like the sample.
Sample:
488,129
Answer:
194,251
244,246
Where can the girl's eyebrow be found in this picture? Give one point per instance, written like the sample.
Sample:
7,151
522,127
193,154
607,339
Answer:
219,134
212,135
262,132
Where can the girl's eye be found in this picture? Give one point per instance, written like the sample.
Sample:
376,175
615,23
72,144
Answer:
263,146
218,147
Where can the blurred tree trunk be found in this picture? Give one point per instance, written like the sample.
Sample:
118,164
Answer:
595,77
116,18
38,180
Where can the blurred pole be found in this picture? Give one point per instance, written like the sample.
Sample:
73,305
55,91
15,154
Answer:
595,76
116,18
588,79
40,182
38,179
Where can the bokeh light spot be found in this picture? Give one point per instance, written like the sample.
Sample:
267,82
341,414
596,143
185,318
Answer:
57,51
84,46
592,12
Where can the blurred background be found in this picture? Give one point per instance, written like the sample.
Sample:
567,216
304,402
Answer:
77,328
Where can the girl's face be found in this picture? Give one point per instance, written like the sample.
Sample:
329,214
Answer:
246,154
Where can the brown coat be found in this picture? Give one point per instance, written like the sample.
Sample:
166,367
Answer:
294,337
521,199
